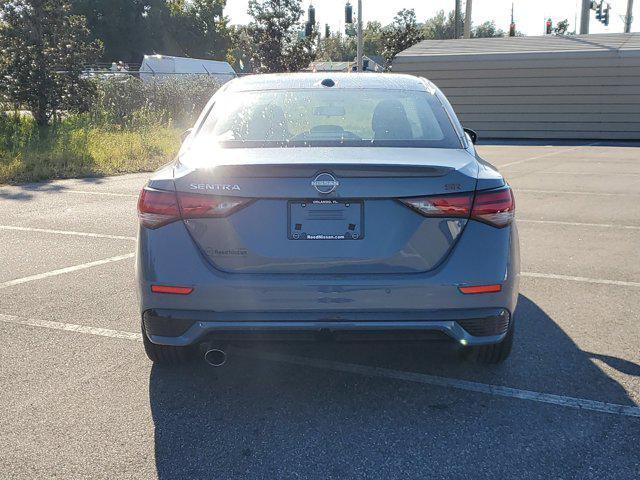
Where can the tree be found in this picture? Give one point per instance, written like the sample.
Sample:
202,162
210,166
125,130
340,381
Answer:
401,34
487,30
44,49
132,28
562,28
343,48
122,26
440,26
242,51
197,28
276,33
372,38
337,48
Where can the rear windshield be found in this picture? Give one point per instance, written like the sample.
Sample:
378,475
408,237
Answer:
326,117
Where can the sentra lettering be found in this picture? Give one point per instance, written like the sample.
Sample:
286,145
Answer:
214,186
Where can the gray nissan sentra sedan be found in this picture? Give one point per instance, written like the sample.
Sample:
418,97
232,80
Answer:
345,207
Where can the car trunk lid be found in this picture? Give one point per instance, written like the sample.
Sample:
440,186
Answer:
288,225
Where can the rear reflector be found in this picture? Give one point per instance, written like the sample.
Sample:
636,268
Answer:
495,207
157,207
481,288
171,289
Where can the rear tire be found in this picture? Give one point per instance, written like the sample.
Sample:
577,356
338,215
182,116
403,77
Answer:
165,354
494,353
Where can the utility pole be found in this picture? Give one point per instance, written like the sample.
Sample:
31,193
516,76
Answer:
628,18
584,17
512,25
467,20
360,39
456,28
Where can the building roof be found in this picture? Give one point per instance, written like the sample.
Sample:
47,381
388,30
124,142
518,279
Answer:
281,81
597,43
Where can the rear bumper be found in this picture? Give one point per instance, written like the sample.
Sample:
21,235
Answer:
184,327
293,306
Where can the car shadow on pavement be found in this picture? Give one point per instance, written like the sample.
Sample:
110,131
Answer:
27,191
255,418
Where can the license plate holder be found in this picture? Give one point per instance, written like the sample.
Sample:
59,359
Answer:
325,219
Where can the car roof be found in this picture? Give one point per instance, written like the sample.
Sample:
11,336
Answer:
290,81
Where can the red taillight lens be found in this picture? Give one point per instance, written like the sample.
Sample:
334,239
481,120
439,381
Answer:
495,207
441,205
157,208
194,205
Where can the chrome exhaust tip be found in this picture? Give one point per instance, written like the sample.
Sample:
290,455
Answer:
215,357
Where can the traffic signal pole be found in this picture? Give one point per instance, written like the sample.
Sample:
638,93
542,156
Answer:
584,17
360,39
456,27
628,18
467,20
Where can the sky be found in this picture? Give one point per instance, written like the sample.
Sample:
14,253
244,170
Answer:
530,15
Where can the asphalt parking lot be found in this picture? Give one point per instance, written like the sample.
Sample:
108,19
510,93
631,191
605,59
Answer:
79,399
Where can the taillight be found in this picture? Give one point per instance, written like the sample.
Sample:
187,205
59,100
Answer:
157,208
441,205
194,205
495,207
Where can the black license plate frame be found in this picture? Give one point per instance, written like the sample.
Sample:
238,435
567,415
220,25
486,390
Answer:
314,212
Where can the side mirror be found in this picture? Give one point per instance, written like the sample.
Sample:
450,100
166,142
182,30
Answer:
186,133
472,134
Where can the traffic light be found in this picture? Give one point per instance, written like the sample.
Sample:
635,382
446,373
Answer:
348,13
602,12
312,14
599,11
605,15
548,27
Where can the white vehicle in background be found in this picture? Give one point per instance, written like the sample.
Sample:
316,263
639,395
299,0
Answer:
156,67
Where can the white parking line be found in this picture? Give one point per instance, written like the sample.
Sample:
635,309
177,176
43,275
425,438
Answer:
570,192
66,232
601,281
376,372
599,174
550,154
497,390
69,327
579,224
61,271
91,192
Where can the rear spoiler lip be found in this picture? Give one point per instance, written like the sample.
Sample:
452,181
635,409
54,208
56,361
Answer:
344,170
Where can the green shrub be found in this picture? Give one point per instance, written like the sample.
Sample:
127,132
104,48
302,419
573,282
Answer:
132,126
171,100
76,147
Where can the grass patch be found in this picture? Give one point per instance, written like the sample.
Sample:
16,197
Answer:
78,147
